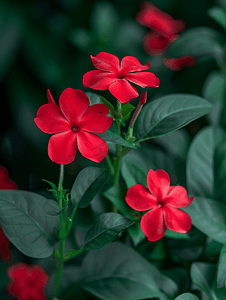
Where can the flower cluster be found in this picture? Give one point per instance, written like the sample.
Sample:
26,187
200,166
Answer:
164,31
27,282
163,202
73,123
5,184
116,77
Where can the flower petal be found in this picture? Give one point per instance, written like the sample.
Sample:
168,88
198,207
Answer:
177,64
91,146
139,198
176,219
106,62
73,104
177,197
50,119
155,43
122,90
130,64
98,80
158,183
143,79
62,147
95,119
50,97
152,224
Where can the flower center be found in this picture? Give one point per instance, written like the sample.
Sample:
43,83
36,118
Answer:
74,129
159,205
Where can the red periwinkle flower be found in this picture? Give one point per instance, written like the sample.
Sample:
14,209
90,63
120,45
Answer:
27,282
115,76
74,123
176,64
163,202
5,184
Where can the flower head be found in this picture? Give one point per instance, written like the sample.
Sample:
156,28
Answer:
27,282
115,76
177,64
163,202
73,123
5,184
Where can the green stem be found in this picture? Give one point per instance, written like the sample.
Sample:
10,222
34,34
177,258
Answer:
60,263
142,140
74,255
110,165
61,178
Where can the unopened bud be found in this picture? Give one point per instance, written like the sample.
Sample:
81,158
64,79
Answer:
143,98
50,97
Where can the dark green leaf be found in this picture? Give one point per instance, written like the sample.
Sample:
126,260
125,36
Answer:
104,230
110,137
176,235
169,113
126,111
221,274
87,184
132,175
136,233
218,14
204,276
97,99
209,216
187,296
201,42
25,224
205,164
116,267
51,208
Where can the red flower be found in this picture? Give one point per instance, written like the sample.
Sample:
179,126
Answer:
176,64
115,76
164,202
74,123
27,282
5,184
164,28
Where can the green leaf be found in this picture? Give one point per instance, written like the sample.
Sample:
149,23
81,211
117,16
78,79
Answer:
202,42
204,276
209,216
219,15
169,113
136,233
87,184
25,225
133,175
116,194
206,156
96,99
176,235
111,137
213,90
12,29
221,274
104,230
116,267
187,296
51,208
126,111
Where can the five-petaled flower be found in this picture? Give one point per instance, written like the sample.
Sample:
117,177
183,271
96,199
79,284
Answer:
27,282
5,184
164,29
74,123
115,76
163,202
177,64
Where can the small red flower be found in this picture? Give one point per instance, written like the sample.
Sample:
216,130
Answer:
74,123
164,28
163,202
176,64
27,282
115,76
5,184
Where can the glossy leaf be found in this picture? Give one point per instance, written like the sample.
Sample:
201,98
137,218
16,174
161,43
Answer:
104,230
209,216
117,266
204,164
204,276
218,14
187,296
169,113
201,42
111,137
221,274
97,99
87,184
24,223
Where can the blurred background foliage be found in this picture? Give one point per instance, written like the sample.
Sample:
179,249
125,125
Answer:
47,45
